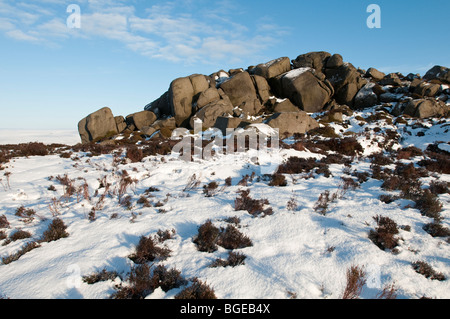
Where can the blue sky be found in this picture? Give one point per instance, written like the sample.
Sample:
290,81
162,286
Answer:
126,53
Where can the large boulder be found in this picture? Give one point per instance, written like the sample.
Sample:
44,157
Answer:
239,88
427,89
160,106
225,122
291,123
141,119
167,123
346,81
315,60
306,89
180,98
439,73
424,108
121,123
366,97
391,79
209,95
209,113
262,88
284,105
97,125
375,74
334,62
273,68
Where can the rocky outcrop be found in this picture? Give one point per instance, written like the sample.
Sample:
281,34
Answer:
209,113
280,93
306,89
239,89
141,119
290,123
97,125
424,108
273,68
439,73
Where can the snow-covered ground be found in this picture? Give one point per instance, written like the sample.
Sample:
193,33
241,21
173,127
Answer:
295,253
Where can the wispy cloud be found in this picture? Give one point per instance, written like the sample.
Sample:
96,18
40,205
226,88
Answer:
178,31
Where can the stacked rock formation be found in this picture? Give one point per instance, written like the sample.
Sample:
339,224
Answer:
279,93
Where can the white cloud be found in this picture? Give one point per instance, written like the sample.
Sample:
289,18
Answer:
182,31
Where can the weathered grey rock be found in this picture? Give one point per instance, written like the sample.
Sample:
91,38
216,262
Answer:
180,97
438,73
284,105
209,95
375,74
273,68
121,123
232,72
251,108
209,113
97,125
262,88
223,123
389,97
199,83
218,78
239,88
427,89
160,106
366,97
335,61
315,60
291,123
346,81
424,108
306,90
168,123
391,79
141,119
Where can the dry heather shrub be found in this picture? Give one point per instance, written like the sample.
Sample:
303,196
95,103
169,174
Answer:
384,235
426,270
408,152
232,238
439,187
438,162
233,260
389,292
298,165
254,207
436,229
147,250
168,279
20,234
207,237
325,198
33,149
56,230
211,189
135,154
197,290
429,205
103,275
26,248
278,180
140,284
26,213
4,222
356,279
